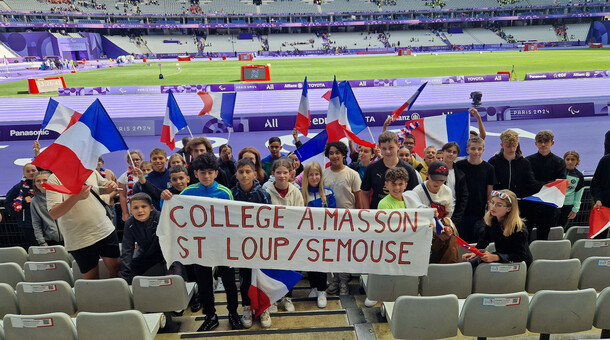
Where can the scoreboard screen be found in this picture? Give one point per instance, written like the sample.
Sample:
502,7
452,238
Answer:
255,73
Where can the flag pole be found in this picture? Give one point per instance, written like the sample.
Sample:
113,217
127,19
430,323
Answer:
133,165
39,133
190,132
371,133
229,136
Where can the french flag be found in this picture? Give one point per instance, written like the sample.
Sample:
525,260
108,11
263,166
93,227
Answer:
172,123
304,115
270,285
59,117
408,104
73,156
553,194
438,130
344,117
218,105
460,242
599,221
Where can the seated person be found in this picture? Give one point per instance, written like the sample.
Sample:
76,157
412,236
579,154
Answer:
141,229
506,229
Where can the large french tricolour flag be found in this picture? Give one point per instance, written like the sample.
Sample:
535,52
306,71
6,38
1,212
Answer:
408,104
304,115
270,285
73,156
219,105
59,117
172,123
438,130
553,194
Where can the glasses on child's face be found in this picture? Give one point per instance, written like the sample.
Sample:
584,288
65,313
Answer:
497,205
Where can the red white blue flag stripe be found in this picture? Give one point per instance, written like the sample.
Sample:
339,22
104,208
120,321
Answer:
553,194
172,123
270,285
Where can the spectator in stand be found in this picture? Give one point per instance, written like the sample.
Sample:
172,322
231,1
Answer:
456,181
127,181
315,194
275,148
226,160
506,229
17,203
547,167
366,156
174,160
600,184
253,155
576,188
45,228
480,179
374,176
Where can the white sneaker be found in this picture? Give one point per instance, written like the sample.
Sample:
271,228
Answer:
369,303
246,318
265,319
314,293
287,302
272,308
322,299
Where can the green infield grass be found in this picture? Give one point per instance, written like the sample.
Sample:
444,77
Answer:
351,68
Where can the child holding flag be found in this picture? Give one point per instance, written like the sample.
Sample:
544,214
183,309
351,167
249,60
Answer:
576,188
506,229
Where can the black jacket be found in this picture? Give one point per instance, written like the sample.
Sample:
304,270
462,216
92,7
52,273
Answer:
461,196
516,175
514,248
600,184
547,168
256,195
23,217
148,252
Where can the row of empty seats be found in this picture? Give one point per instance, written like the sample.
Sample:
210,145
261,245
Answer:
492,278
86,326
499,315
147,294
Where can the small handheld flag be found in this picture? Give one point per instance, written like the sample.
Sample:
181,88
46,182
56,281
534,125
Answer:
465,245
599,221
303,115
553,194
408,104
74,155
58,117
172,123
269,285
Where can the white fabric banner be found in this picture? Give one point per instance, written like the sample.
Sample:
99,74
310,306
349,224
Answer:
213,232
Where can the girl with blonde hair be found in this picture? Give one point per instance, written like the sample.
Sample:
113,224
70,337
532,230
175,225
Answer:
506,229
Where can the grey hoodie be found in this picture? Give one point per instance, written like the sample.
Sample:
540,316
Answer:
45,228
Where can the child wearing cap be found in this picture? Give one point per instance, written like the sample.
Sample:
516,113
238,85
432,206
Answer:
435,194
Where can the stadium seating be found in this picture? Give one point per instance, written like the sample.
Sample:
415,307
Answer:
576,233
540,33
13,254
8,300
50,253
45,297
52,326
130,324
389,287
558,312
551,250
11,274
423,317
506,312
161,294
553,275
48,271
595,273
499,278
581,249
225,43
579,31
101,296
455,278
556,233
601,319
103,270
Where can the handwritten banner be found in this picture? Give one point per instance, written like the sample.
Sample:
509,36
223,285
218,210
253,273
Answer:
213,232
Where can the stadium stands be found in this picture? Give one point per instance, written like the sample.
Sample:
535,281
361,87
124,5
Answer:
553,275
45,297
539,33
507,313
551,250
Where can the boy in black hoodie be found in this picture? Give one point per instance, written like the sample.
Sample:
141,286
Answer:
141,229
547,167
513,171
248,189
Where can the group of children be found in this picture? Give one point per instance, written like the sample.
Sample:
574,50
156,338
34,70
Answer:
474,199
